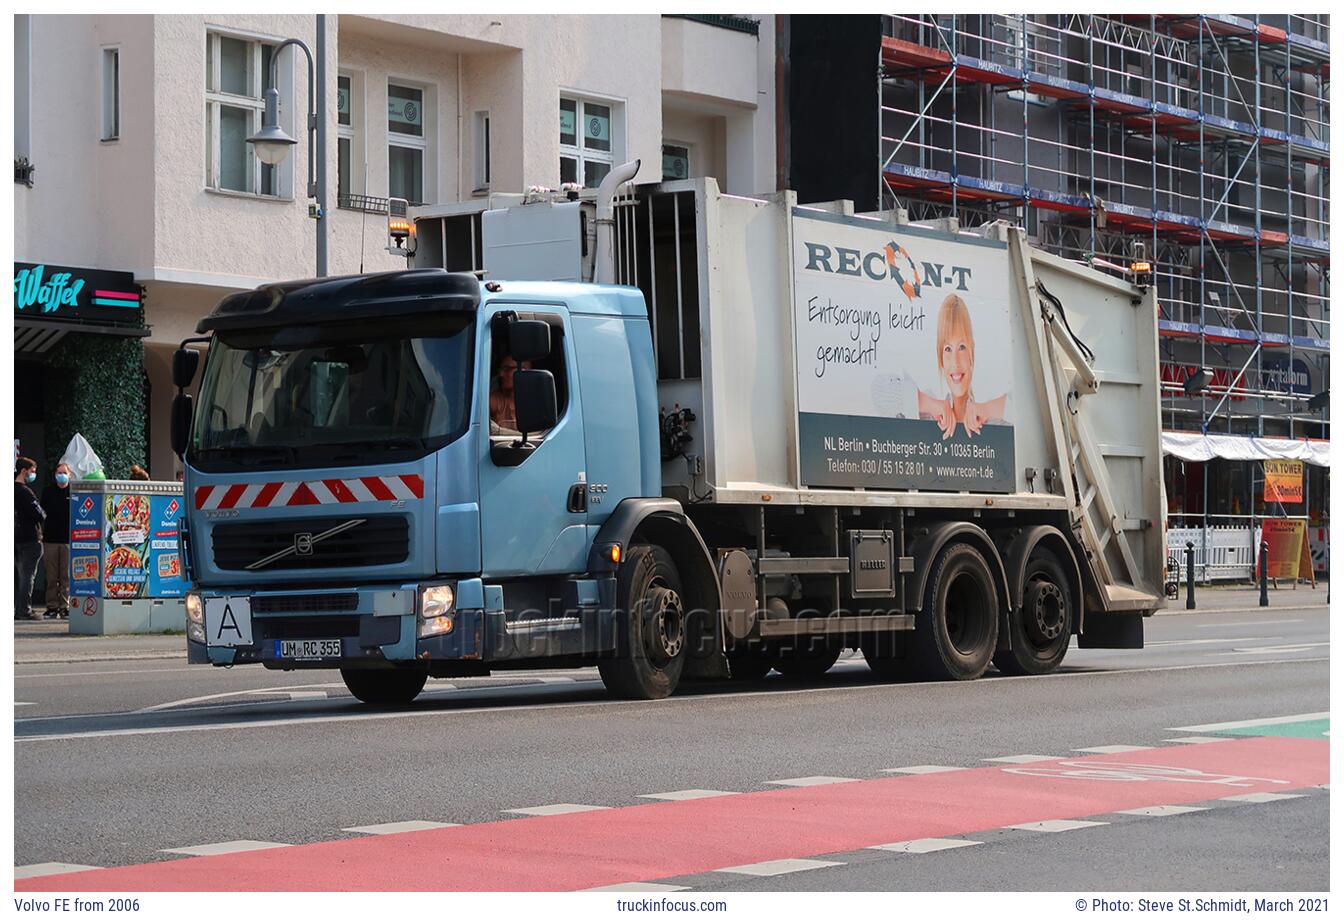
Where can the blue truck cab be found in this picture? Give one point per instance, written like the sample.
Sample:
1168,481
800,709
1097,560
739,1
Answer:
417,474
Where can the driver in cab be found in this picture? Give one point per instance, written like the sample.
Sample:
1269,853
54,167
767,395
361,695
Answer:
503,414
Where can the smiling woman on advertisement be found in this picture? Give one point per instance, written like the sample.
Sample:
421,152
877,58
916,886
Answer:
956,365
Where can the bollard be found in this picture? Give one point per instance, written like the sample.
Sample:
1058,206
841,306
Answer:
1189,576
1264,573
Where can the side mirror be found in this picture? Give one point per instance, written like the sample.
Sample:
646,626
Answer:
529,339
534,400
180,427
185,361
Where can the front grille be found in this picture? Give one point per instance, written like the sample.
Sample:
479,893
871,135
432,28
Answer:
379,540
305,603
309,628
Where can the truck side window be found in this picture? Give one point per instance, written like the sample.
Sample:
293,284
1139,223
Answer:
503,365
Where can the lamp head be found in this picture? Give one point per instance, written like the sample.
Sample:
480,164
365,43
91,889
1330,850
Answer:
1197,381
271,143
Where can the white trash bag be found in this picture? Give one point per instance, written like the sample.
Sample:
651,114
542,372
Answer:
83,462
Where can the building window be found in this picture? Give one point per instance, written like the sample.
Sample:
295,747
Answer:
350,169
23,89
238,73
586,148
481,180
676,161
111,94
406,143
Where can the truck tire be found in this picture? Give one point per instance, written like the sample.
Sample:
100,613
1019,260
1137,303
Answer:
957,627
384,686
651,629
1041,629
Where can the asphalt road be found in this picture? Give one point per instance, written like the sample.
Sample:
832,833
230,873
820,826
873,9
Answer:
116,761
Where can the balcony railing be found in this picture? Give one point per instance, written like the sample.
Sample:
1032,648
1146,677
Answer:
732,23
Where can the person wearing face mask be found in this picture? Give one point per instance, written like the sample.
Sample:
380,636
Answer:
56,542
28,517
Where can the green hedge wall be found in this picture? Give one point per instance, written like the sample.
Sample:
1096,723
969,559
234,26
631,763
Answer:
96,385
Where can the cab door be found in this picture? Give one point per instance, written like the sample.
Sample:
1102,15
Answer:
531,524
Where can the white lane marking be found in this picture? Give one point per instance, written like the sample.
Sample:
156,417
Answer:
683,795
1160,811
1247,623
49,868
553,679
1252,723
1275,649
927,845
258,691
811,781
650,887
563,808
398,827
779,867
1200,739
1258,798
307,694
923,768
1174,642
1055,826
227,846
1021,758
552,706
1113,749
17,703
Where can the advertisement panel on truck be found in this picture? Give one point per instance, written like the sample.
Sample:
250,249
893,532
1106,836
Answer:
904,347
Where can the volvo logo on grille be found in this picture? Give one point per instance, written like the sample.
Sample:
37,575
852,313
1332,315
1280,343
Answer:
304,543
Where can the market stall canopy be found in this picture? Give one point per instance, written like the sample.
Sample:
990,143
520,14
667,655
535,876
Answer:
1190,445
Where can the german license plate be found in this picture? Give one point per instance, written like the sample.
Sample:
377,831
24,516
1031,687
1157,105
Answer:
307,649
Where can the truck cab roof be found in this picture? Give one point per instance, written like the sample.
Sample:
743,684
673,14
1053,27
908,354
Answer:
404,293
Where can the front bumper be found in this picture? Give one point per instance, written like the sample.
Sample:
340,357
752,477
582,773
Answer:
380,627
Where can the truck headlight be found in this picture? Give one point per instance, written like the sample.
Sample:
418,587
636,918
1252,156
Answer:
195,617
436,611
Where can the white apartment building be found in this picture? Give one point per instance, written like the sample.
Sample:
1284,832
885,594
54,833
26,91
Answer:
134,130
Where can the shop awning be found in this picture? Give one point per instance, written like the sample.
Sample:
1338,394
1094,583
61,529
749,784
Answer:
1190,445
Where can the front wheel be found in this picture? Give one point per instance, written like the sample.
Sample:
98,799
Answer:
957,628
651,630
384,686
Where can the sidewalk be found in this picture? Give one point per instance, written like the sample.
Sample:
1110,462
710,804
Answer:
49,642
1241,599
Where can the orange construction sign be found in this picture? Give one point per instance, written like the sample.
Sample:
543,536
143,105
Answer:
1283,481
1289,555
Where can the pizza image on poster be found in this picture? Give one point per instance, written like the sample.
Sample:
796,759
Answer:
125,573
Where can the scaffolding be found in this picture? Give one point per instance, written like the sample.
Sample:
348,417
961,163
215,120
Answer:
1196,143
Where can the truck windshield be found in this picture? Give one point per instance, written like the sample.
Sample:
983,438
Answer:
334,394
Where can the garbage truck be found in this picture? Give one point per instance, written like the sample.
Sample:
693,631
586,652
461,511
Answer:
674,434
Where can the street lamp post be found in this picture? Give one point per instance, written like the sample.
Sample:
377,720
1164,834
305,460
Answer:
272,144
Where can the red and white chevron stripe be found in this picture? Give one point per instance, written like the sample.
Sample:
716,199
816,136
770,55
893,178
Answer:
310,492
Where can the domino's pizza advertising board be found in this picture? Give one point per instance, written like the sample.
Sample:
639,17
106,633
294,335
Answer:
904,343
86,545
124,546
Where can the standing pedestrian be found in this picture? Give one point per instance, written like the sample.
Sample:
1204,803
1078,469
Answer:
28,516
56,542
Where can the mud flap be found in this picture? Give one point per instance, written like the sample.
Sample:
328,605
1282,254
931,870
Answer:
1112,630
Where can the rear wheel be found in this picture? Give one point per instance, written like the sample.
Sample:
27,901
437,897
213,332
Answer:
1041,628
384,686
958,625
652,633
